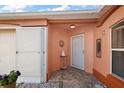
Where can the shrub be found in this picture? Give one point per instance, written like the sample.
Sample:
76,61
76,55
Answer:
10,78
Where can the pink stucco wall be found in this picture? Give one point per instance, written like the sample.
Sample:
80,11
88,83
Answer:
102,65
24,22
56,33
62,32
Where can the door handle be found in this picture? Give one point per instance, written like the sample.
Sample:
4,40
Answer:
17,52
43,52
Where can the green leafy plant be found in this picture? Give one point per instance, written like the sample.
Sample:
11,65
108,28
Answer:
10,78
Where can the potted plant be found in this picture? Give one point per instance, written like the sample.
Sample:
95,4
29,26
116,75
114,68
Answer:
9,81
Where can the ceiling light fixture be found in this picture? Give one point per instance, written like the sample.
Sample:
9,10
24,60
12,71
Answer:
72,26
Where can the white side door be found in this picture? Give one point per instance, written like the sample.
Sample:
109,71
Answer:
7,50
78,51
29,52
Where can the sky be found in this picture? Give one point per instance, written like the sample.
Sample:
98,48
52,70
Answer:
40,8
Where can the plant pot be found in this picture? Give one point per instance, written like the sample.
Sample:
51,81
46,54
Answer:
13,85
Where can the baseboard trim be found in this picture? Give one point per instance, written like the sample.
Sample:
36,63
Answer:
100,77
115,82
110,81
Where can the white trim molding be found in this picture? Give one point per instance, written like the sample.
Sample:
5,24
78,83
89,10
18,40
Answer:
114,49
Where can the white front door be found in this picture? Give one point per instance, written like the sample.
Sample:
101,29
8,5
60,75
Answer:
78,51
29,53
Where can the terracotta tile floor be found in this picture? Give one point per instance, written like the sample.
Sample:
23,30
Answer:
75,78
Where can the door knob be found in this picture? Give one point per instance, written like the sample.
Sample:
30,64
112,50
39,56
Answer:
43,52
17,52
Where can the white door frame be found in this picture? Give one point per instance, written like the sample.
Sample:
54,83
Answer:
82,35
45,48
46,51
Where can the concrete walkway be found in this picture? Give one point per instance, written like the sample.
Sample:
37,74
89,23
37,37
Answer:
74,78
